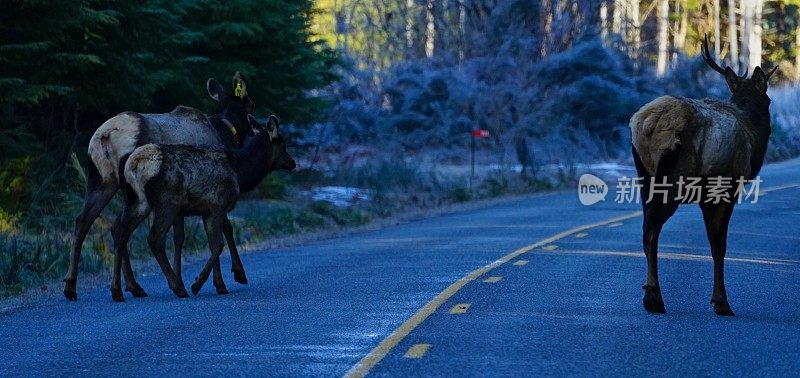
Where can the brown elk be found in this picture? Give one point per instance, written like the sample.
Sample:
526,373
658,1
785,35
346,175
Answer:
180,180
675,138
120,135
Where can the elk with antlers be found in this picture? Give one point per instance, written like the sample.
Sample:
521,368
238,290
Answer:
678,138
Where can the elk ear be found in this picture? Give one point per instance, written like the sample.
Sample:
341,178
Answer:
254,124
272,126
215,90
239,85
760,80
731,78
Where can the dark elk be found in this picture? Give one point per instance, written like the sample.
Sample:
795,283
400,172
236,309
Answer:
123,133
180,180
680,137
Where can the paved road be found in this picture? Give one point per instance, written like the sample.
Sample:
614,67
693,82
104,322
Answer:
533,286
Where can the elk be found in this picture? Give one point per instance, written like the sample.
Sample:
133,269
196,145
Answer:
181,180
120,135
675,138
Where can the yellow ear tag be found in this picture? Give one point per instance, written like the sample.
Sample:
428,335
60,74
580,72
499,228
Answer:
233,130
239,91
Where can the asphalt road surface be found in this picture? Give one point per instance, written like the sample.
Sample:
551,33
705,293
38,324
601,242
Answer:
535,286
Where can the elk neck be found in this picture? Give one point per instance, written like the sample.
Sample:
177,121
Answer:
756,110
251,162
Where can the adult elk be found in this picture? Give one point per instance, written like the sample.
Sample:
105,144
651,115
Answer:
120,135
190,180
678,138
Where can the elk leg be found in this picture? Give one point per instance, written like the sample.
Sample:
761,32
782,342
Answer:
236,263
716,218
178,236
97,197
213,227
656,213
162,221
121,232
131,285
219,283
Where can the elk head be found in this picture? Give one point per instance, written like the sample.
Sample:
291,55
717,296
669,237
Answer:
234,105
743,90
278,157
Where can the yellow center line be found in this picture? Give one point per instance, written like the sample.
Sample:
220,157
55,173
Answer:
384,347
520,262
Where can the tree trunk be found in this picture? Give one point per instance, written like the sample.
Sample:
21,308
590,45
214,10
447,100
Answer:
717,32
675,27
604,21
634,38
616,17
733,40
430,30
744,30
663,36
756,31
683,29
546,12
797,55
409,29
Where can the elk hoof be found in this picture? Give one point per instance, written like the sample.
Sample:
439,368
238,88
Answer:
69,290
222,290
180,292
722,308
137,291
196,287
240,277
116,295
652,301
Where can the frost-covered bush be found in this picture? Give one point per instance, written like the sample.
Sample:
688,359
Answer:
429,105
581,97
692,77
587,89
784,142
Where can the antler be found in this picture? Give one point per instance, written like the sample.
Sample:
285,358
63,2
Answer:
707,57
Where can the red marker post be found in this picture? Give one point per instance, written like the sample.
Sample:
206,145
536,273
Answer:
478,133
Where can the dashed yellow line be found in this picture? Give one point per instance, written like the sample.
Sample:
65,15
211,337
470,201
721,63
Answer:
550,247
460,308
520,262
493,279
384,347
417,351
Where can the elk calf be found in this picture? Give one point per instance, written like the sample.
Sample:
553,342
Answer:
180,180
675,138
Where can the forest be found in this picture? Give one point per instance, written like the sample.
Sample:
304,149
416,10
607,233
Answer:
378,97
